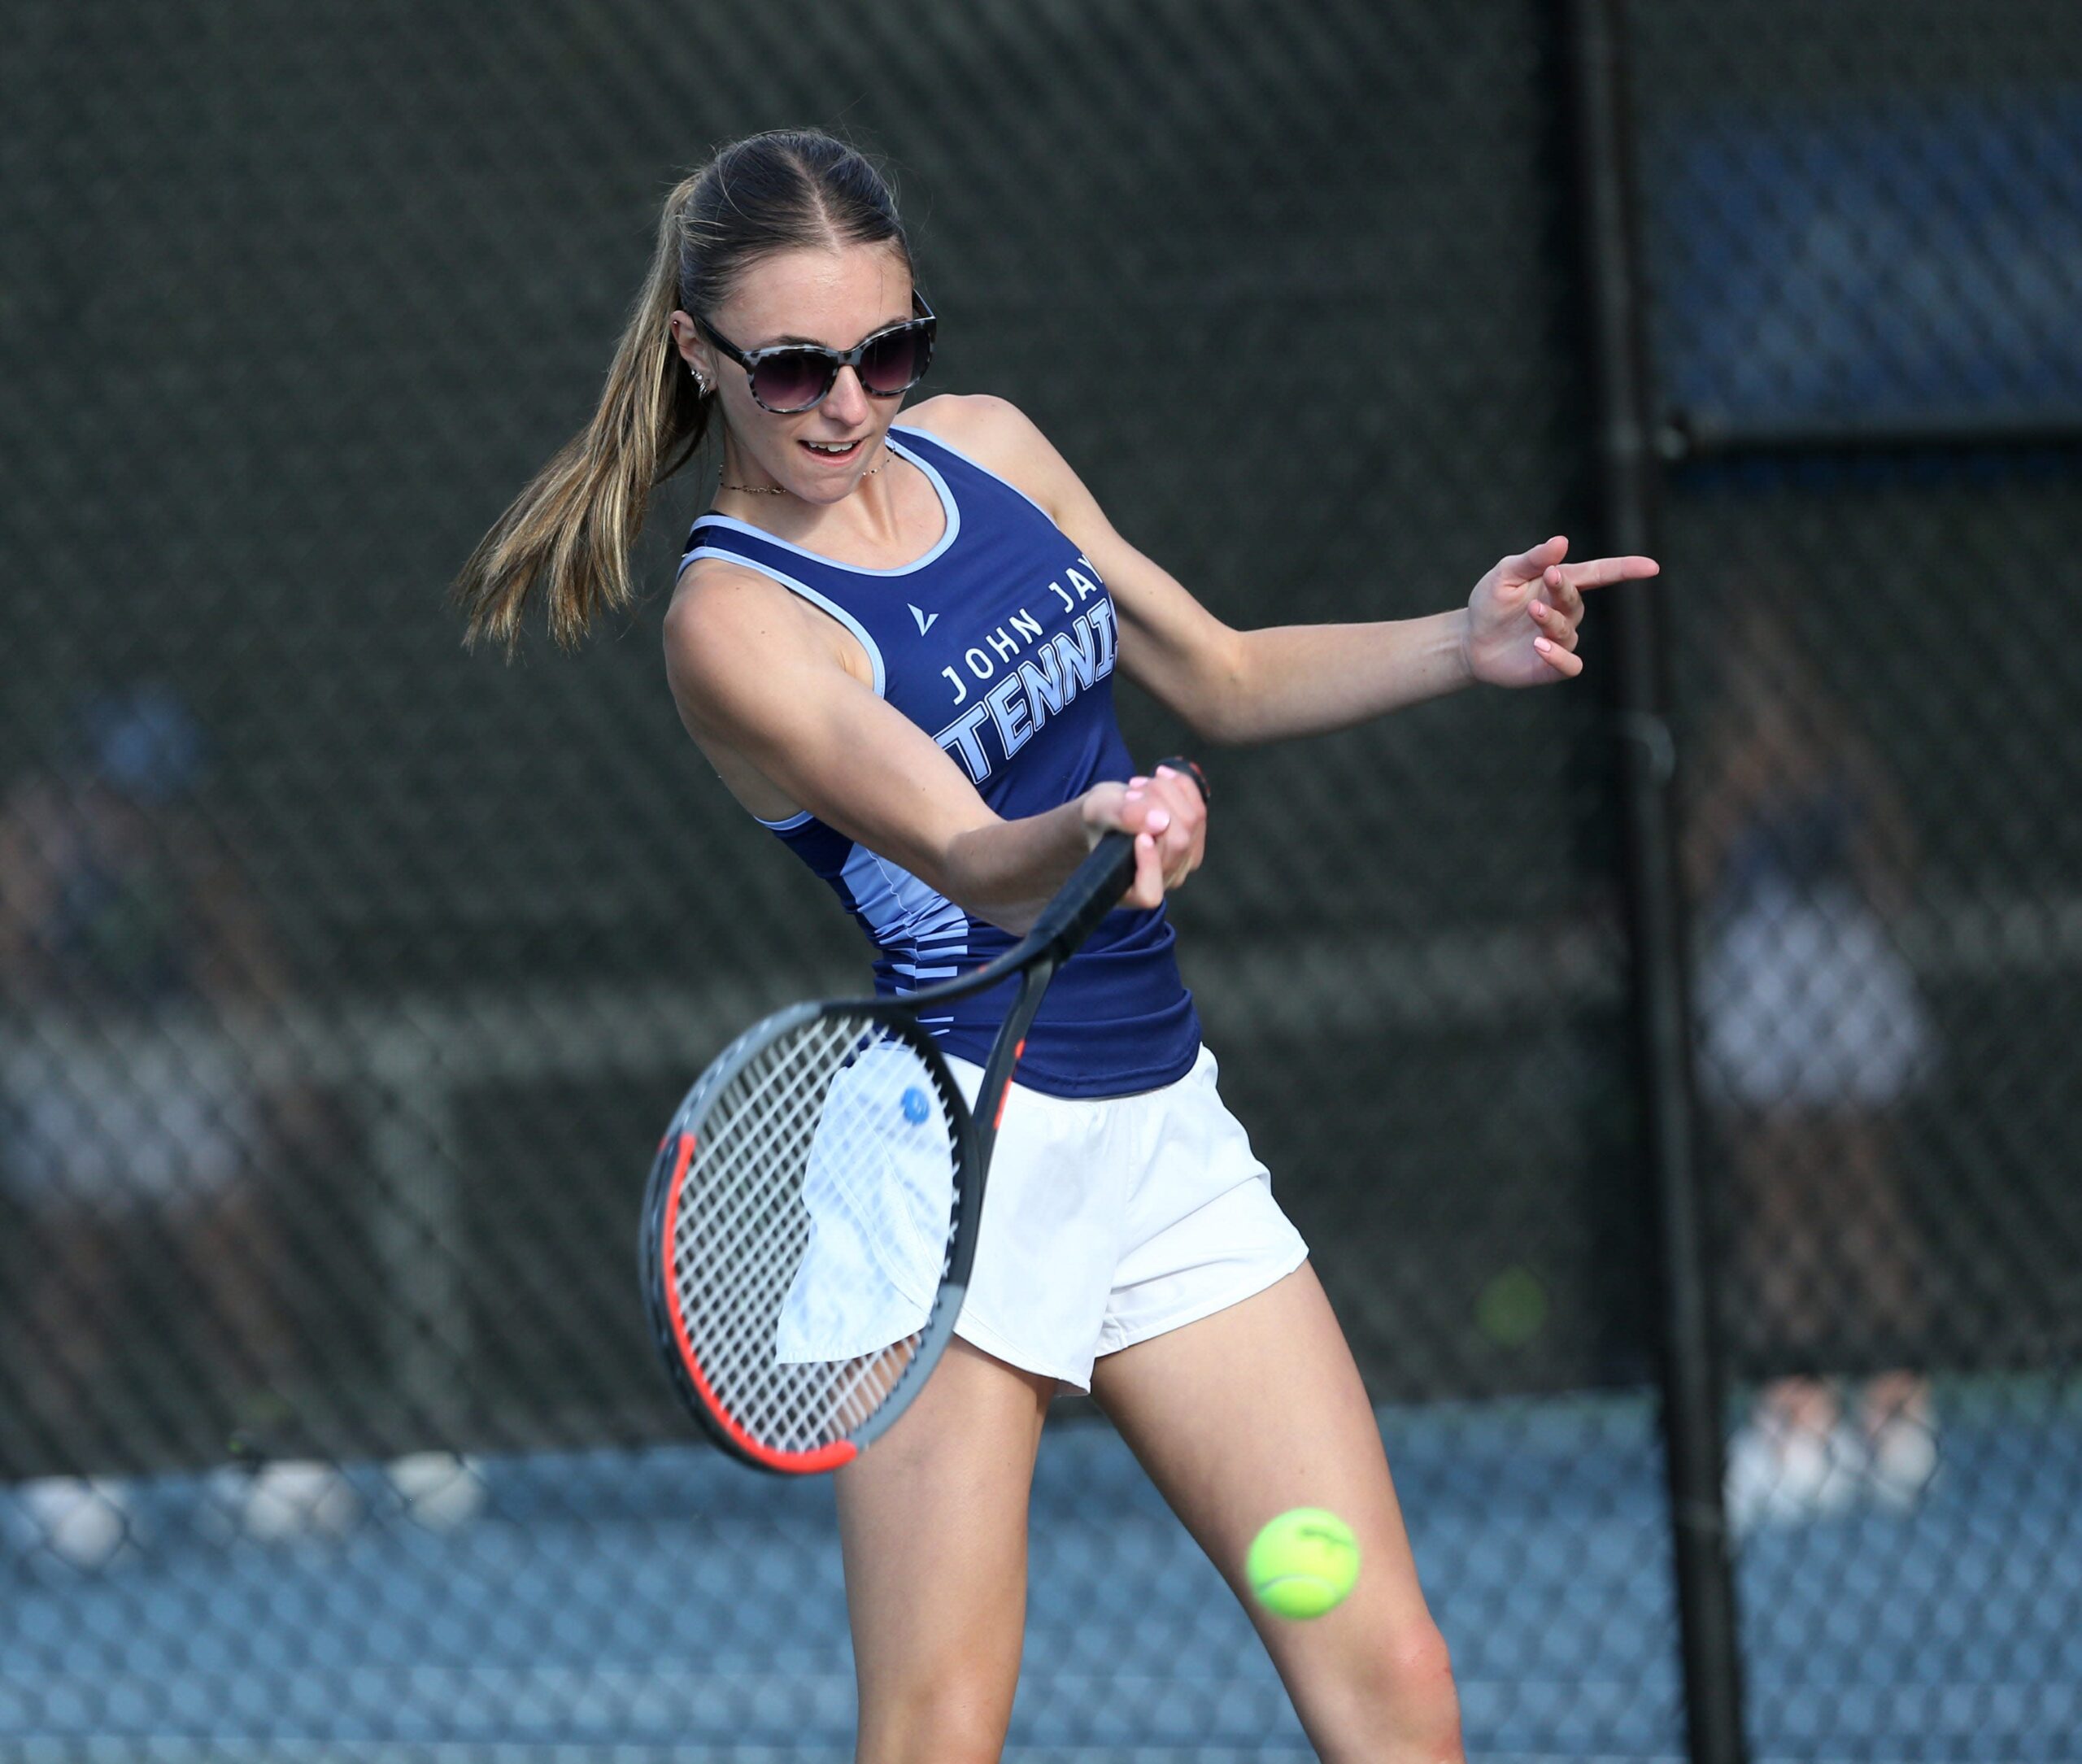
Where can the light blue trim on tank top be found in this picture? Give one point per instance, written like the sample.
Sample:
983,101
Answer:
950,510
950,517
809,593
976,465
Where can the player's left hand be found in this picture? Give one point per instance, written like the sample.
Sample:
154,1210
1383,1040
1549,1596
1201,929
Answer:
1522,616
1168,815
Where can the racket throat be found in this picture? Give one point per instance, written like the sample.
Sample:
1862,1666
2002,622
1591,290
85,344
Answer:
1006,1052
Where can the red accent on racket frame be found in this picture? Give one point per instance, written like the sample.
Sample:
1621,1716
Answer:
825,1457
1018,1053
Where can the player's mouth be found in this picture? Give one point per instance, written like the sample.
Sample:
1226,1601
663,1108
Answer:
835,453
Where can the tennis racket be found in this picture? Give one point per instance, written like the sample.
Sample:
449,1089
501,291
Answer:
810,1217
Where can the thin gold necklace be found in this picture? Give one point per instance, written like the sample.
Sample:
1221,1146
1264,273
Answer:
776,490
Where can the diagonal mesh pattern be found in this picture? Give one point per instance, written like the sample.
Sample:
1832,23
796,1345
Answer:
1861,245
808,1222
345,979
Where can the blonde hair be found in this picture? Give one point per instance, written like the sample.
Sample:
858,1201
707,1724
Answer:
566,537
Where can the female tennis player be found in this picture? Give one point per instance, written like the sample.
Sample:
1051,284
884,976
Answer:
896,645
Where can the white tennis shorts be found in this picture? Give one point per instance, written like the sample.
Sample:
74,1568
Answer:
1107,1221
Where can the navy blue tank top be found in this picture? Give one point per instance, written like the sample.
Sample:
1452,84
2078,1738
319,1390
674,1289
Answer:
999,642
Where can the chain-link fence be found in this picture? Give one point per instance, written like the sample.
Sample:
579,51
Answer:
1864,248
347,980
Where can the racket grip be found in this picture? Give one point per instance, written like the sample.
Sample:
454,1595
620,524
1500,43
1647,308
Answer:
1094,890
1095,886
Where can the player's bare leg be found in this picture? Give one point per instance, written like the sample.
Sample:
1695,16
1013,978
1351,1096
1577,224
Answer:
932,1519
1259,1409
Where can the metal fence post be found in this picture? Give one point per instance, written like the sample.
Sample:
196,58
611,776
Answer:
1609,247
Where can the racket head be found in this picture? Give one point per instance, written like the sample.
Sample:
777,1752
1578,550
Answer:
811,1125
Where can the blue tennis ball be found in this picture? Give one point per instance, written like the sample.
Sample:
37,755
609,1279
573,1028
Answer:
1303,1563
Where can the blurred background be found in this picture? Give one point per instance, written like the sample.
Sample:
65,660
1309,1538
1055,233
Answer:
345,979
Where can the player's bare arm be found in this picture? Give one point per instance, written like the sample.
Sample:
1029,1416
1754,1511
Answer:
1518,628
774,695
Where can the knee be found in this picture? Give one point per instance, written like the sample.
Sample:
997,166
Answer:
1425,1708
1399,1704
949,1720
1419,1657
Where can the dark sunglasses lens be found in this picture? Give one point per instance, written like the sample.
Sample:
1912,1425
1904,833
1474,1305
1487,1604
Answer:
792,379
896,361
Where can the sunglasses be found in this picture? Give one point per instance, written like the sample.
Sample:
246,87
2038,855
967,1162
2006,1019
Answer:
792,377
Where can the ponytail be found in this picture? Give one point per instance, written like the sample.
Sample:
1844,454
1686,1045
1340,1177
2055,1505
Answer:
571,529
568,534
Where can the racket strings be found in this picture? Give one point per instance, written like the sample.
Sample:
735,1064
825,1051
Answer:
746,1171
771,1098
806,1138
772,1112
818,1394
784,1107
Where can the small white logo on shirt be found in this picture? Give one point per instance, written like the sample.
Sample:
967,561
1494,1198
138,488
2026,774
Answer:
926,620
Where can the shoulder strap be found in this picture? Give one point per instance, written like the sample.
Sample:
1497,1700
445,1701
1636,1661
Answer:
711,534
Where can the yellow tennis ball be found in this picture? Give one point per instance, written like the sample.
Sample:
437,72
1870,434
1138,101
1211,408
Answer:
1303,1563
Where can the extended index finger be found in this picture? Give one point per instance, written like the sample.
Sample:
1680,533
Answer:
1602,571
